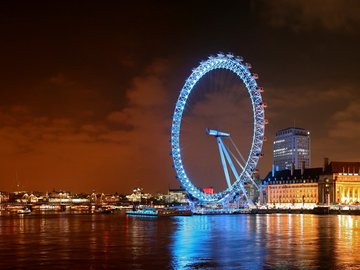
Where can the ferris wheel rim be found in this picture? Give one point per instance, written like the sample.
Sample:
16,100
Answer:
235,65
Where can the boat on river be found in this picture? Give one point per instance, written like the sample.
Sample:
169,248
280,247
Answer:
104,210
24,211
143,212
159,212
167,212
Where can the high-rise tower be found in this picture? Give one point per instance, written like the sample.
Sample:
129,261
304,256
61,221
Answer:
292,145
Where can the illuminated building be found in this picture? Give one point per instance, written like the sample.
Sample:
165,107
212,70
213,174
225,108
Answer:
138,195
340,183
335,183
292,146
292,188
176,195
4,197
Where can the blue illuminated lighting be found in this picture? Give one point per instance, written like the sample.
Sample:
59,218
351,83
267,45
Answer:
235,65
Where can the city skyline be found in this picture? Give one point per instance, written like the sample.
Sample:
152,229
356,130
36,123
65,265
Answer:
88,90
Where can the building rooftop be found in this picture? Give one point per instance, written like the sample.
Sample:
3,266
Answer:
342,167
296,130
314,173
309,173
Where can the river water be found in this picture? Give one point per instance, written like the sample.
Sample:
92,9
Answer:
116,241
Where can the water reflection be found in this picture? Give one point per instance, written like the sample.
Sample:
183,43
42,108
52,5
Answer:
217,242
197,242
346,243
267,242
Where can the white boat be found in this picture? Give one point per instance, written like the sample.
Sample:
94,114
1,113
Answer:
24,211
160,212
143,212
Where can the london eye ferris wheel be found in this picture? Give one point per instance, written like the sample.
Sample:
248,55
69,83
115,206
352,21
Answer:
235,165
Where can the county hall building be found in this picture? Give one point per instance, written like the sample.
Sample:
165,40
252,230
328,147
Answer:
334,183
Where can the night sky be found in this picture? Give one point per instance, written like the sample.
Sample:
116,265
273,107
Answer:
88,88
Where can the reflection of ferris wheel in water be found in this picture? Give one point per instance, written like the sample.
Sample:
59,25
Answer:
234,164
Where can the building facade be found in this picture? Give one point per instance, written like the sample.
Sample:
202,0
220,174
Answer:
4,197
292,188
292,146
340,183
176,195
335,183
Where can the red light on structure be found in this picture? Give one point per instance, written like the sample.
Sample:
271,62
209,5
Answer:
208,190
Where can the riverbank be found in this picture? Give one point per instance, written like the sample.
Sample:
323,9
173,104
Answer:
316,211
319,210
